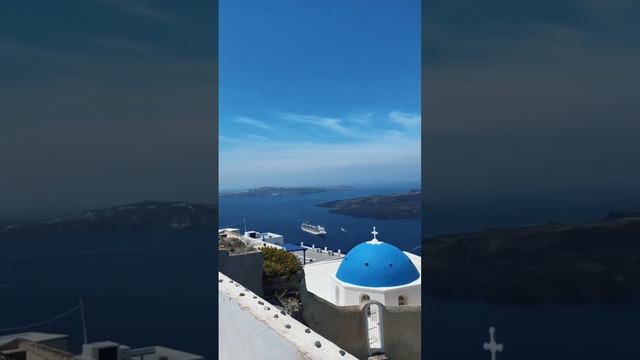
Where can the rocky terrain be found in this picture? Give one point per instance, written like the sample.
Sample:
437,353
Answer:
150,215
553,263
280,191
394,206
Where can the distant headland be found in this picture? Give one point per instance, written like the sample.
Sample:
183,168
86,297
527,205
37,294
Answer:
281,191
148,215
392,206
552,263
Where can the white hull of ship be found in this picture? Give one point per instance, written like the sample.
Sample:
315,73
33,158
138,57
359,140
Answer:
313,232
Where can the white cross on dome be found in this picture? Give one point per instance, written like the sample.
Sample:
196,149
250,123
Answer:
375,237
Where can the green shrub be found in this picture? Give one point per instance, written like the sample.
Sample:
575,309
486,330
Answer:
279,262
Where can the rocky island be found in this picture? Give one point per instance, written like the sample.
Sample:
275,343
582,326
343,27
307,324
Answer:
553,263
393,206
148,215
280,191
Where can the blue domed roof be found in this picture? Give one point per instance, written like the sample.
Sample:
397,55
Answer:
377,264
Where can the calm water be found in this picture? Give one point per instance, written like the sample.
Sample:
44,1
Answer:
139,289
457,329
284,214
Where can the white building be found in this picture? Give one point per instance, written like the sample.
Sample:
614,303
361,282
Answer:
254,237
373,271
268,237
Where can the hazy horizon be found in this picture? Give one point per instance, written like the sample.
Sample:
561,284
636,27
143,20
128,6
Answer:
376,184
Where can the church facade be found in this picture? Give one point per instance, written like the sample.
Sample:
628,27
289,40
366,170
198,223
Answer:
371,271
369,301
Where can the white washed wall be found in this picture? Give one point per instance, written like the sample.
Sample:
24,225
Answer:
251,328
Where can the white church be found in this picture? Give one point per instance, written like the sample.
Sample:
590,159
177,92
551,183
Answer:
371,271
368,302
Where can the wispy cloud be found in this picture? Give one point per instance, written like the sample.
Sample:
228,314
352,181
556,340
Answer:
395,134
354,151
360,118
225,138
313,163
253,122
332,124
407,120
257,137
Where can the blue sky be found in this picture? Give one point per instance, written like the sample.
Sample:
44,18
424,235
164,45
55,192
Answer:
316,93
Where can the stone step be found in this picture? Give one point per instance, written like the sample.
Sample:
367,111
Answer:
378,357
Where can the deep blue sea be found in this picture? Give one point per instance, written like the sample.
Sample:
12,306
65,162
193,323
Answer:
284,215
139,289
160,288
457,329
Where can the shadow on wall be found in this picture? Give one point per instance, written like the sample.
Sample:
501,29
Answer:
402,332
245,268
345,326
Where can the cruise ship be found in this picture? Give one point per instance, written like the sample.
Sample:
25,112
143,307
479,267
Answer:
313,229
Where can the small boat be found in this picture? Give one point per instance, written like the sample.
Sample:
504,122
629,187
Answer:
313,229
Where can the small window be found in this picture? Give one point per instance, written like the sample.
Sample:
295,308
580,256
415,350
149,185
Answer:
364,298
402,300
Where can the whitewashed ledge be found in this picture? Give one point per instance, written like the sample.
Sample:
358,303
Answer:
252,328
